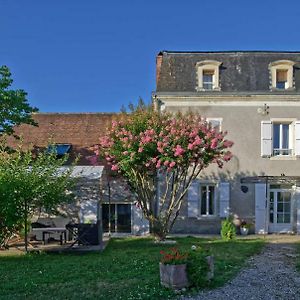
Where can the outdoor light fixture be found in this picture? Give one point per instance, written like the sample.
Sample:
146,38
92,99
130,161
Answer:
263,110
244,189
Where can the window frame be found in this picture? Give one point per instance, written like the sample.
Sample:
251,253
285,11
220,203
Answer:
220,120
291,139
214,213
282,65
208,66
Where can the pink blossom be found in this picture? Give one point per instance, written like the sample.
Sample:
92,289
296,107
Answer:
141,149
178,151
227,144
190,146
172,164
214,143
166,163
114,168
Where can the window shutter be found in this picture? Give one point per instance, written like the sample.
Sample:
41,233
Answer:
224,190
193,199
260,208
266,138
297,138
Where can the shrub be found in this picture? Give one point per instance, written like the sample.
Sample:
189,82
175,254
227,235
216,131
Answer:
197,268
228,230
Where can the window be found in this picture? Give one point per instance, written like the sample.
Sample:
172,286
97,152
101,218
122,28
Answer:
215,123
281,79
208,79
208,75
59,149
281,74
207,199
281,139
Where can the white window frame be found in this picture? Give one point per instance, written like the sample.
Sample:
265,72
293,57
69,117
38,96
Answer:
282,65
291,123
207,185
220,120
208,65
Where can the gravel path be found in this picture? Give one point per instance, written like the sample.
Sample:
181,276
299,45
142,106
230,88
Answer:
270,275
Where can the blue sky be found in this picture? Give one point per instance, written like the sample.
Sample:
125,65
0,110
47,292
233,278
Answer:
94,56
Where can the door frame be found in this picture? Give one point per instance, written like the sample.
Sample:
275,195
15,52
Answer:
280,227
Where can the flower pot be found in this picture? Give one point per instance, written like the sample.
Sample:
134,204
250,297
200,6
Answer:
173,276
244,230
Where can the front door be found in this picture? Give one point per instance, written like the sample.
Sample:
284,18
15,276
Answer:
280,217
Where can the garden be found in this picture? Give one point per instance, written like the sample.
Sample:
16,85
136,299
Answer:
127,269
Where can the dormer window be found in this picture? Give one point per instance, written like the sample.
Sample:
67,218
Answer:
281,79
281,74
208,75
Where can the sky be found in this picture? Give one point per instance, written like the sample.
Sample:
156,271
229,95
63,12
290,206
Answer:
95,56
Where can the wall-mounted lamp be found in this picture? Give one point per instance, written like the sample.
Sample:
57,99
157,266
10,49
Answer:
263,110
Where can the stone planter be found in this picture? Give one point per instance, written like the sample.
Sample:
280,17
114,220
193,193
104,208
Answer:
244,230
173,276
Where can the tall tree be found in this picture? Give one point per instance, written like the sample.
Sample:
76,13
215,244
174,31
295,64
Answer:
14,107
147,147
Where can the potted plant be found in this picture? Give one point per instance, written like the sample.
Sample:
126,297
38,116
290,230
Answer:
244,228
173,270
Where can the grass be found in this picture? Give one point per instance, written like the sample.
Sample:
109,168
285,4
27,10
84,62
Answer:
127,269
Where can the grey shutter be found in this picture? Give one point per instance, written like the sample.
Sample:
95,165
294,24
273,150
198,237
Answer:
193,199
140,225
224,197
297,200
260,208
266,138
297,138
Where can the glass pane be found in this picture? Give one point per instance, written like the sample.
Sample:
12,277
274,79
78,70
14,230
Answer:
287,218
279,218
208,86
207,78
203,200
124,218
108,210
215,124
286,197
280,85
272,207
276,130
271,196
211,200
285,136
279,207
287,207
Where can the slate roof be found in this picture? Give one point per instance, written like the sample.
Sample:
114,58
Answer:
240,71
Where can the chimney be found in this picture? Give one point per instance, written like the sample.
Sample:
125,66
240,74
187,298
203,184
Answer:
159,58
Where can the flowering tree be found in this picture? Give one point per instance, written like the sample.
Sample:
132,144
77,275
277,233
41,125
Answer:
148,146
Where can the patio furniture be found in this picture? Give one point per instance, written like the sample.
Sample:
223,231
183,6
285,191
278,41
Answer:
84,234
51,230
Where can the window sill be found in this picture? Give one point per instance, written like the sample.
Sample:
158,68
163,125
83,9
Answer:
283,157
200,89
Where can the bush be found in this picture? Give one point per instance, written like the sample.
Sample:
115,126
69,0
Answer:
197,268
228,230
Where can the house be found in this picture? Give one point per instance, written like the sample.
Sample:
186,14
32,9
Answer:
76,134
255,96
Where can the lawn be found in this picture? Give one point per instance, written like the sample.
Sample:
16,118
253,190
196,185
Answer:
127,269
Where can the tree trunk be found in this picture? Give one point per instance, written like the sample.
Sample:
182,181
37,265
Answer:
158,230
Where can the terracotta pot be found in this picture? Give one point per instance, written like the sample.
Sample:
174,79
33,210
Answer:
173,276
